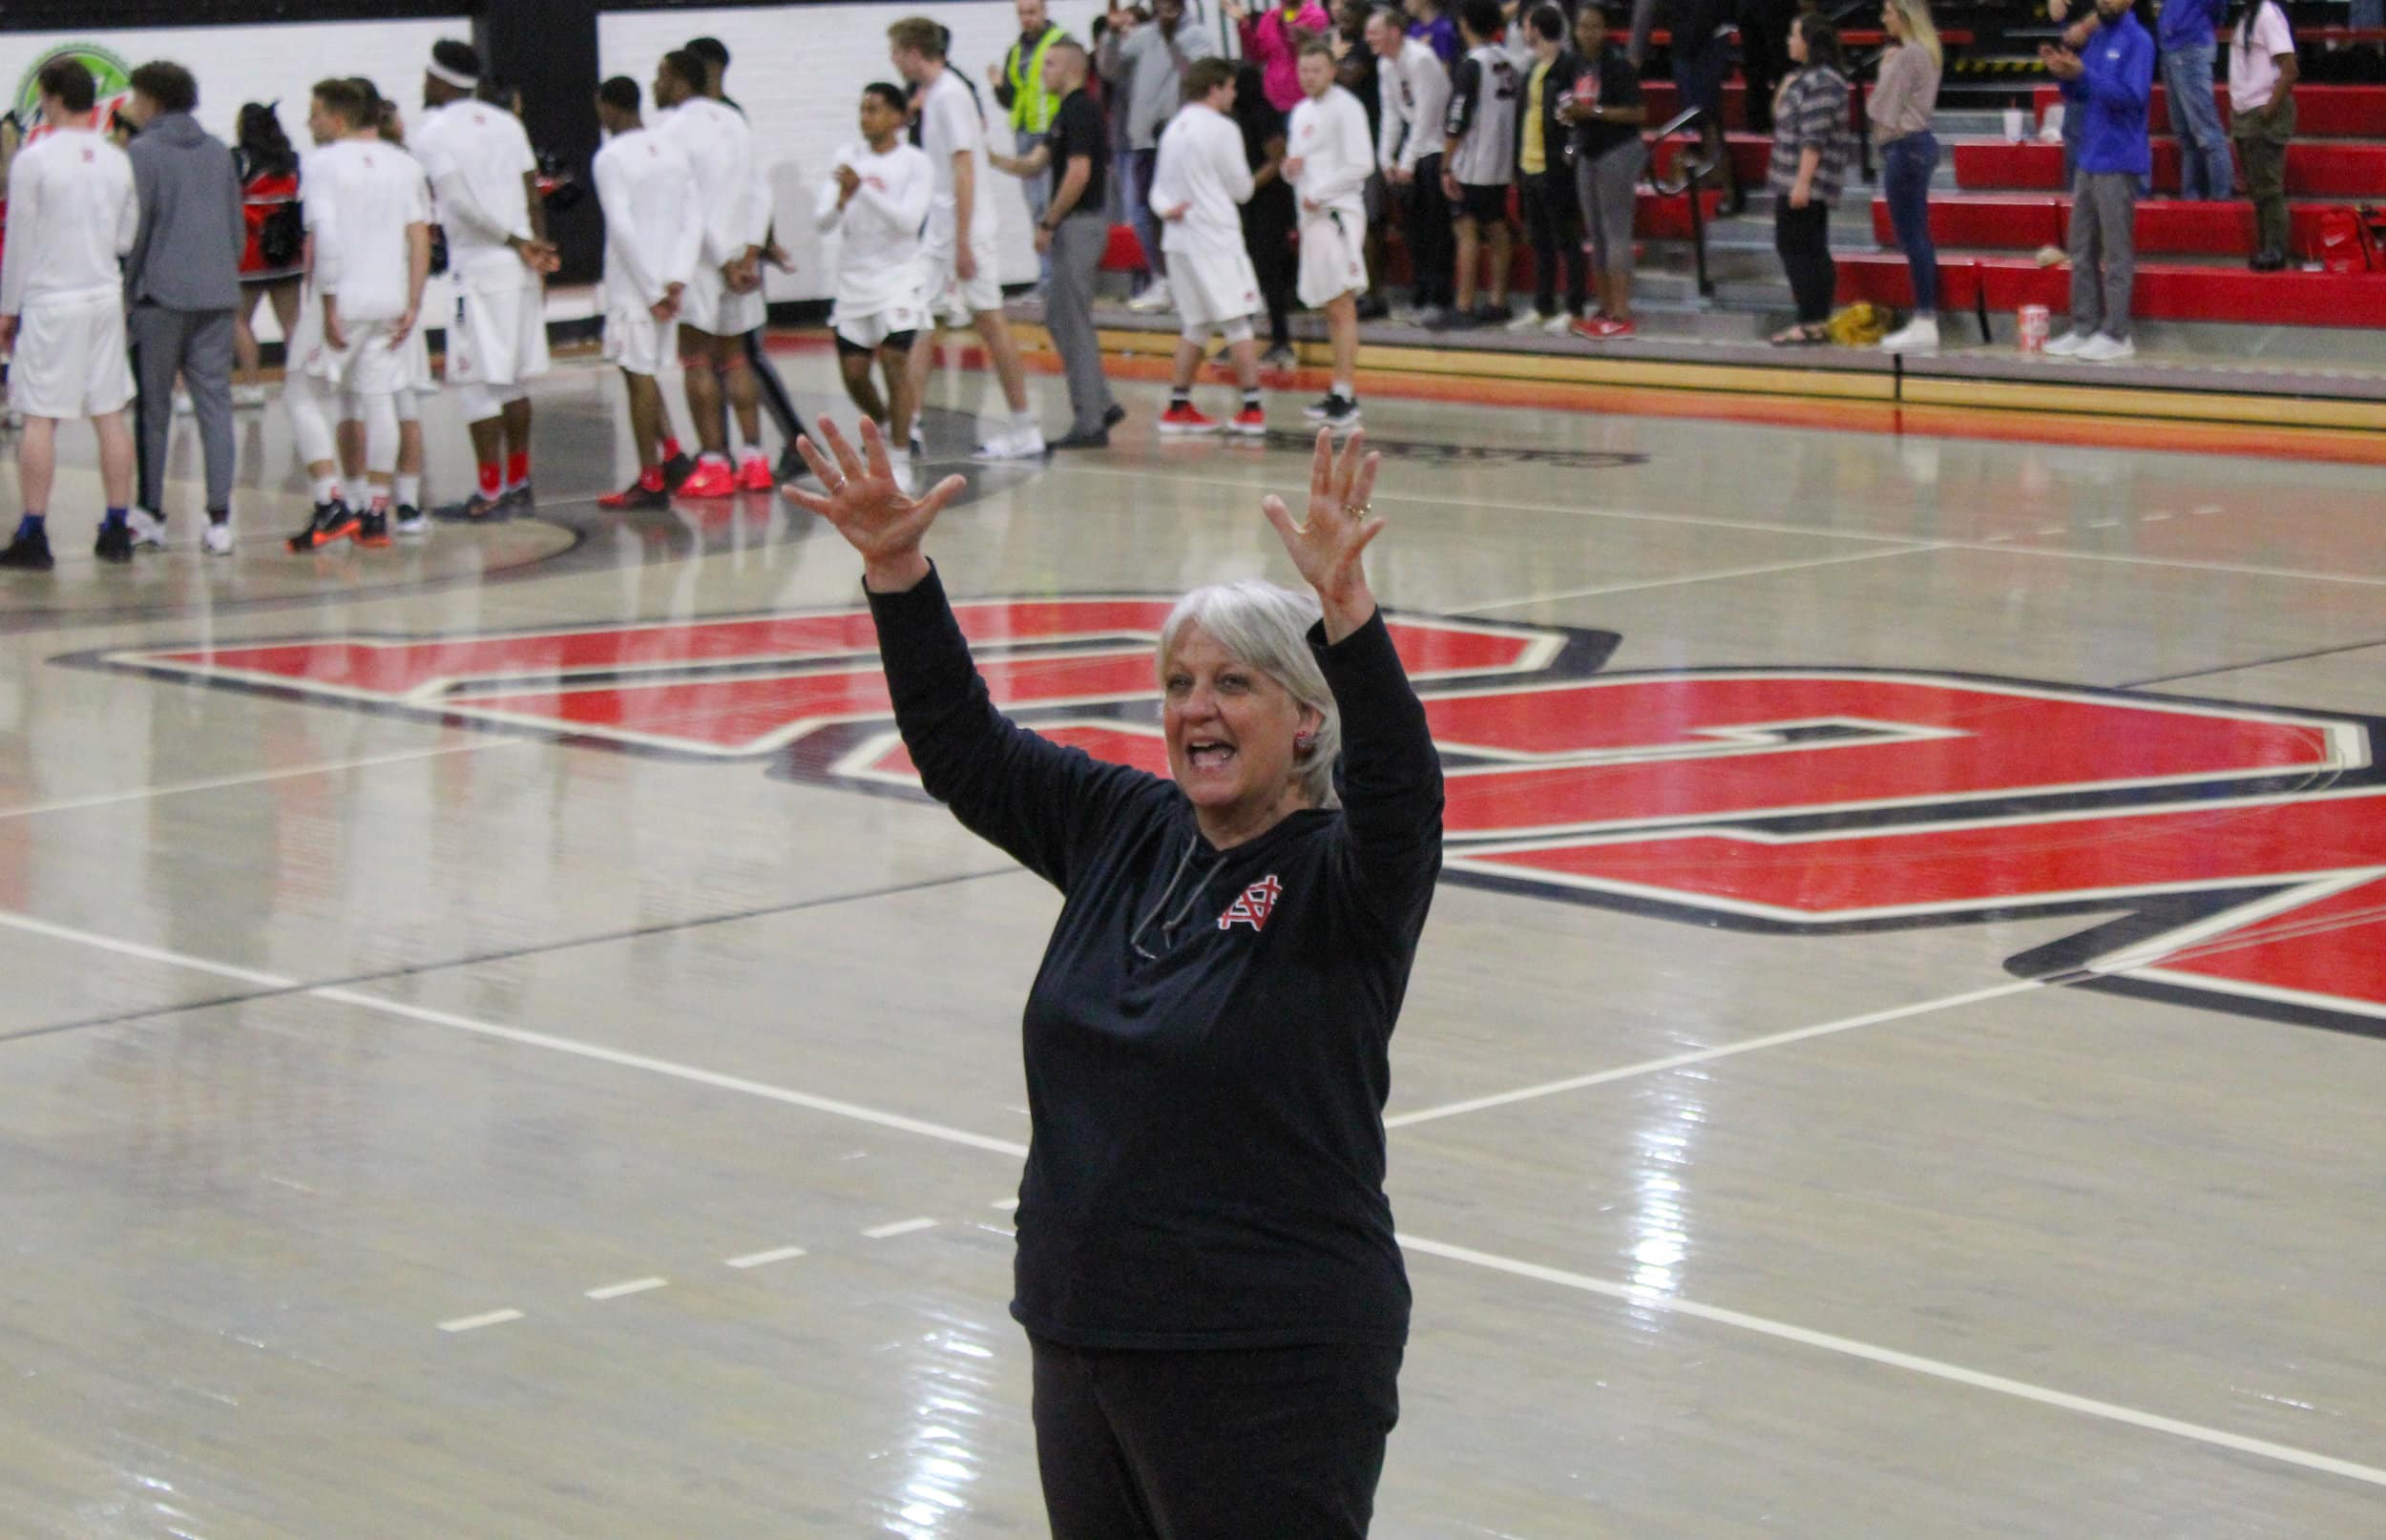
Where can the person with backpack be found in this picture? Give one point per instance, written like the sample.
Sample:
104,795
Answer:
277,234
2262,77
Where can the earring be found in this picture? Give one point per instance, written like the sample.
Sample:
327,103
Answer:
1302,743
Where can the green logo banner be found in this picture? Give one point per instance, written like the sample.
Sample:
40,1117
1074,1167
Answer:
110,74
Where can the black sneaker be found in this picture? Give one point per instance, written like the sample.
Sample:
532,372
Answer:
29,553
409,522
789,468
1372,308
474,510
372,528
1098,439
1112,417
676,470
114,543
1335,410
517,501
1492,314
330,523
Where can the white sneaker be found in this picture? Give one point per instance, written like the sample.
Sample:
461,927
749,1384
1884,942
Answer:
899,461
149,531
407,523
1525,321
217,538
1025,445
1921,335
248,397
1559,325
2105,349
1155,296
2068,344
1405,315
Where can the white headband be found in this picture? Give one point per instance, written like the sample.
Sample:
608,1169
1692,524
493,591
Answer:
454,78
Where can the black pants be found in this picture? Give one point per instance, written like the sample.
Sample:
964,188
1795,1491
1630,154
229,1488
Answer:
1268,224
1803,239
1250,1444
1425,227
1554,220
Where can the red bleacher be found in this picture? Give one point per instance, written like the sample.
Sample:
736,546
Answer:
2025,222
2315,168
2164,291
2321,111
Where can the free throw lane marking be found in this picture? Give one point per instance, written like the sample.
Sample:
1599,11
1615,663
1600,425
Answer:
1647,1299
636,1286
764,1258
495,1318
901,1227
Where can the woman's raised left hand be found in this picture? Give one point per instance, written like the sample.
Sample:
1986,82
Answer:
1326,547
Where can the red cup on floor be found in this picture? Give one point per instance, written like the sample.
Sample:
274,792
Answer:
2036,322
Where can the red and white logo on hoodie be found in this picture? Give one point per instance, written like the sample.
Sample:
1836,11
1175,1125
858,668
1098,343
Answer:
1257,903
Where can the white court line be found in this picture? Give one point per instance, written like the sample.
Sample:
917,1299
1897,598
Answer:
495,1318
176,788
1889,1357
147,954
636,1286
901,1227
676,1071
1657,1299
1004,1205
764,1258
1707,1055
1694,577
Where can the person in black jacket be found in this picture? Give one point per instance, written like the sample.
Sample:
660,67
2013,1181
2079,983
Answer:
1207,1270
1545,177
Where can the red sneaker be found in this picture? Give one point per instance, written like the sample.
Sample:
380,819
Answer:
754,475
711,478
1250,422
1610,327
636,495
1184,420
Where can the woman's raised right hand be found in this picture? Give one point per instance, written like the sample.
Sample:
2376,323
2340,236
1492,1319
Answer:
863,500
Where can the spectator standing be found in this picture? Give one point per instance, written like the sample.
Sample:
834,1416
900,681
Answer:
1072,234
1430,22
1701,56
1272,40
2107,82
1809,163
1478,160
1902,100
1152,58
1552,217
1414,92
1331,158
1018,83
1271,216
1199,180
181,284
2262,75
2185,30
72,215
269,260
1607,111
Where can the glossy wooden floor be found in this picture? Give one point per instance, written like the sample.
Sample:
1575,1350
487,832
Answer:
446,1094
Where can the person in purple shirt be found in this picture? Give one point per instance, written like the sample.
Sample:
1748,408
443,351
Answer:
1428,20
2184,31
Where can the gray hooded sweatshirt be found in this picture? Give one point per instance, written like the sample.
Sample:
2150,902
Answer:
187,255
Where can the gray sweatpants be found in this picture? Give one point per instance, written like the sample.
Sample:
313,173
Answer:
1608,187
1077,257
198,345
1037,190
2104,252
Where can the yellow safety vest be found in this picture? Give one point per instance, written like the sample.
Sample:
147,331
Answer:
1032,107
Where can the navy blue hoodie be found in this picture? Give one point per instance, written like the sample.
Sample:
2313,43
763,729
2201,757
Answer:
1206,1165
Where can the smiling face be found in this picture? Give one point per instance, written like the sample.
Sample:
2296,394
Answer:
1230,729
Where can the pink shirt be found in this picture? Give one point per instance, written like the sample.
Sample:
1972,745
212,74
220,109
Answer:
1267,43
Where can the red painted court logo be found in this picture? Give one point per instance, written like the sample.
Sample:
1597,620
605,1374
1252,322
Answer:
2227,854
1257,903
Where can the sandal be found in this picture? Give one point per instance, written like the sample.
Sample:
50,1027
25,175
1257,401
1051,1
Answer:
1802,336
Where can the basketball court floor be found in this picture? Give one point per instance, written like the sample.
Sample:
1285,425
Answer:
491,1044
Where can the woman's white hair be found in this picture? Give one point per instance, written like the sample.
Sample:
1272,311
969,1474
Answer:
1267,628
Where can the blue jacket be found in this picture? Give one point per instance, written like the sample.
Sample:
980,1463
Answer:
2113,90
2188,23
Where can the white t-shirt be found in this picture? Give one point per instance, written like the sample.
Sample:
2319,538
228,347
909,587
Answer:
359,196
2253,61
647,191
949,126
1329,135
476,156
1201,163
878,230
731,200
72,219
1413,93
